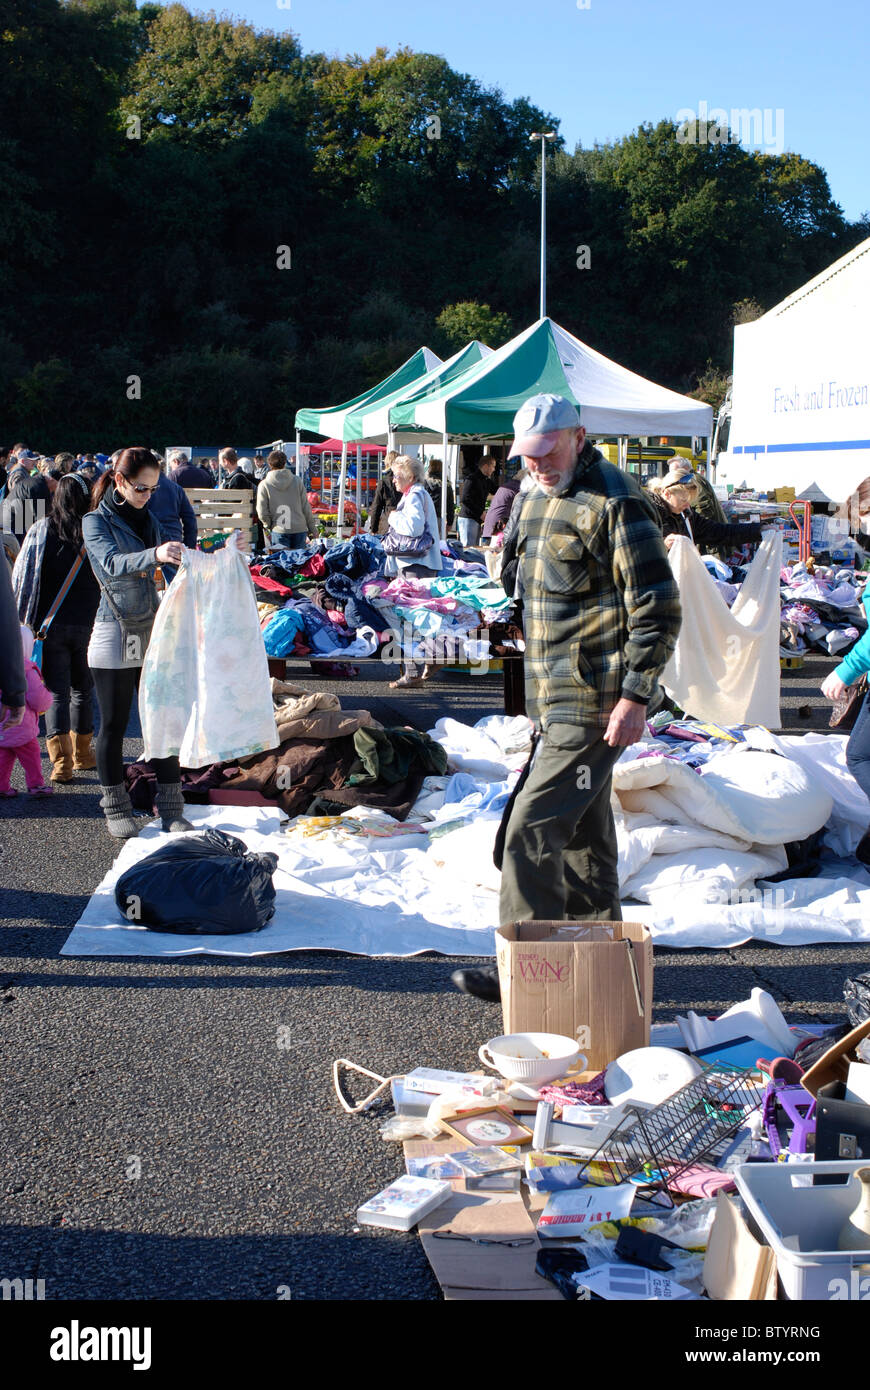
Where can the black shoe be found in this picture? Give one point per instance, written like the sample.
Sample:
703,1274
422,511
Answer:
482,983
862,854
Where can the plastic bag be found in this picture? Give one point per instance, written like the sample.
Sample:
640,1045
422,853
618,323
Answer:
401,1127
205,885
856,993
205,693
599,1248
688,1225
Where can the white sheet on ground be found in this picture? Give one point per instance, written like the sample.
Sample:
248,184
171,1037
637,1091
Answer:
693,848
726,663
383,902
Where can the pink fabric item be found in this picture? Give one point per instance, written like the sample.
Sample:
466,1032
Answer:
37,701
29,755
577,1092
702,1181
408,593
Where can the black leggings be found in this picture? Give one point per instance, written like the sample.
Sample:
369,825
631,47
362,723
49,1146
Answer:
115,691
66,674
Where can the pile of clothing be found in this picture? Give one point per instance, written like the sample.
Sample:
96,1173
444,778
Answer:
338,757
336,602
822,607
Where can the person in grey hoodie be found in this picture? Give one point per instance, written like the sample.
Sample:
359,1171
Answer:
283,506
13,685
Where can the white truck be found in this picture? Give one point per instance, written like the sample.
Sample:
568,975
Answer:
798,411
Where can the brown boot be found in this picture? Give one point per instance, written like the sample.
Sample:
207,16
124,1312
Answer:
84,758
61,753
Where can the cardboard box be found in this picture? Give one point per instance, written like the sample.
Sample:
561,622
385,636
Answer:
592,981
834,1064
736,1265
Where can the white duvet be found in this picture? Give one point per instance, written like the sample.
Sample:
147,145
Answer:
705,837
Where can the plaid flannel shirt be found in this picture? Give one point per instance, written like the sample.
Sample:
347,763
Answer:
602,608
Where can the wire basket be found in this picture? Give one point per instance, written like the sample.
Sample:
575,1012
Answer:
695,1124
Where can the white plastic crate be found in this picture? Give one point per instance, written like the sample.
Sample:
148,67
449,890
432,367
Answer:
802,1223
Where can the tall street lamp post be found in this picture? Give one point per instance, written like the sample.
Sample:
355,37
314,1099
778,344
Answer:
543,136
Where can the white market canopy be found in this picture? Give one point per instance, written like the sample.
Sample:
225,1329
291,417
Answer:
336,422
482,401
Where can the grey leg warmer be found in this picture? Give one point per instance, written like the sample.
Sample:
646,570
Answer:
170,807
118,809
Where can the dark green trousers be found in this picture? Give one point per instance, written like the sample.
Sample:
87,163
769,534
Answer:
560,857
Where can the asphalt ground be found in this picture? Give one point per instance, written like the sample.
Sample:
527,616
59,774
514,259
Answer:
169,1129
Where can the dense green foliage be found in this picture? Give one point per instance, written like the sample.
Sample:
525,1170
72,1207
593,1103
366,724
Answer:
246,228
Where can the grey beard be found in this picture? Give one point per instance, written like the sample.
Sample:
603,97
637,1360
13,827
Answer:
557,489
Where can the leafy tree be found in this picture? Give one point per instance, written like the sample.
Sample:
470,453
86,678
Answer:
397,185
388,126
458,324
712,386
198,76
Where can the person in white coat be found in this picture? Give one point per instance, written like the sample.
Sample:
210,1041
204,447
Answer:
414,515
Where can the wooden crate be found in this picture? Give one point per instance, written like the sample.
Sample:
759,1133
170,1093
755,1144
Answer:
223,509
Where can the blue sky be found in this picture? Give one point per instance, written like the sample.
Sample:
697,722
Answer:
603,69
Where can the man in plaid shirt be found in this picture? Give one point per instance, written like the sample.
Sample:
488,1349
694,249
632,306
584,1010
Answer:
601,618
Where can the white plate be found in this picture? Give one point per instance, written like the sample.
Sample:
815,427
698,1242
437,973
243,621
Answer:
649,1074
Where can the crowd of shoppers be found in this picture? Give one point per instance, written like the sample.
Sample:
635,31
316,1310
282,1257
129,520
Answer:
88,533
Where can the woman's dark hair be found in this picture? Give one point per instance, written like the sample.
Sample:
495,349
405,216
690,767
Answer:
130,464
70,502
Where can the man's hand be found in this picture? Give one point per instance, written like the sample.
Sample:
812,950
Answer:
833,688
626,724
669,540
10,715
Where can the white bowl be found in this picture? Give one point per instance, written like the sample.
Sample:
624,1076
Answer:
534,1057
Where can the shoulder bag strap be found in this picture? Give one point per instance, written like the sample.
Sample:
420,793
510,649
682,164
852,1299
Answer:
67,584
108,597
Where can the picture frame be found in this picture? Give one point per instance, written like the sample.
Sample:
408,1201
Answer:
487,1128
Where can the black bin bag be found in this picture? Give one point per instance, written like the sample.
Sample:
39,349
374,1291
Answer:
204,884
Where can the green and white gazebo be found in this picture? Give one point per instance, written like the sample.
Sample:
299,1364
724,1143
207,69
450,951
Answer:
336,421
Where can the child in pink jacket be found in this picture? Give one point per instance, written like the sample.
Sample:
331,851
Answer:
21,741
